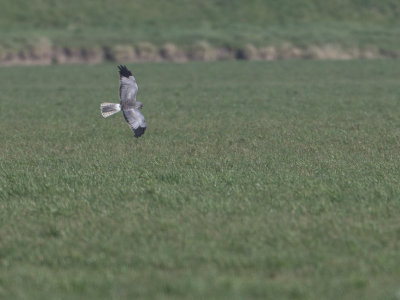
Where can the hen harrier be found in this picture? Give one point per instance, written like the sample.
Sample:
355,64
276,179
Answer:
128,104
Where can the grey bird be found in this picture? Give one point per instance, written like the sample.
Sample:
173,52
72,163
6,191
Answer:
130,107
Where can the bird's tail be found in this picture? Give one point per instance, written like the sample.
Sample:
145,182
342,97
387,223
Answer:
108,109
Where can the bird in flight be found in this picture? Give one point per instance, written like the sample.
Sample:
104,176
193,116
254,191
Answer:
130,107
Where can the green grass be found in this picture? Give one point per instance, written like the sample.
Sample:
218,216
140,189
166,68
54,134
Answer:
222,23
254,180
152,13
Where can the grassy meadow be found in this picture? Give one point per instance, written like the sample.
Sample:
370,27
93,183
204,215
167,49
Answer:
96,30
269,180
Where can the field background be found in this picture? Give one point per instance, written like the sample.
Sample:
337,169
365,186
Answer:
274,180
44,31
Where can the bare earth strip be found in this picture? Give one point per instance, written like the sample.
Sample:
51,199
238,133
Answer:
43,53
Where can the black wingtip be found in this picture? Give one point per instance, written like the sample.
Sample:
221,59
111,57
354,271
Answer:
139,132
124,72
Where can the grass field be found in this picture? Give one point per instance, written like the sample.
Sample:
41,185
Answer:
276,180
373,24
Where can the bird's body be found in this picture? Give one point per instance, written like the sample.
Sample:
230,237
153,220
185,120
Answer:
130,107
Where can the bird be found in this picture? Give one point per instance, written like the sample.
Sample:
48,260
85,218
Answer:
130,107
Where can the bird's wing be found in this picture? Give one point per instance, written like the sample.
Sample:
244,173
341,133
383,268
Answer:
127,88
135,121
